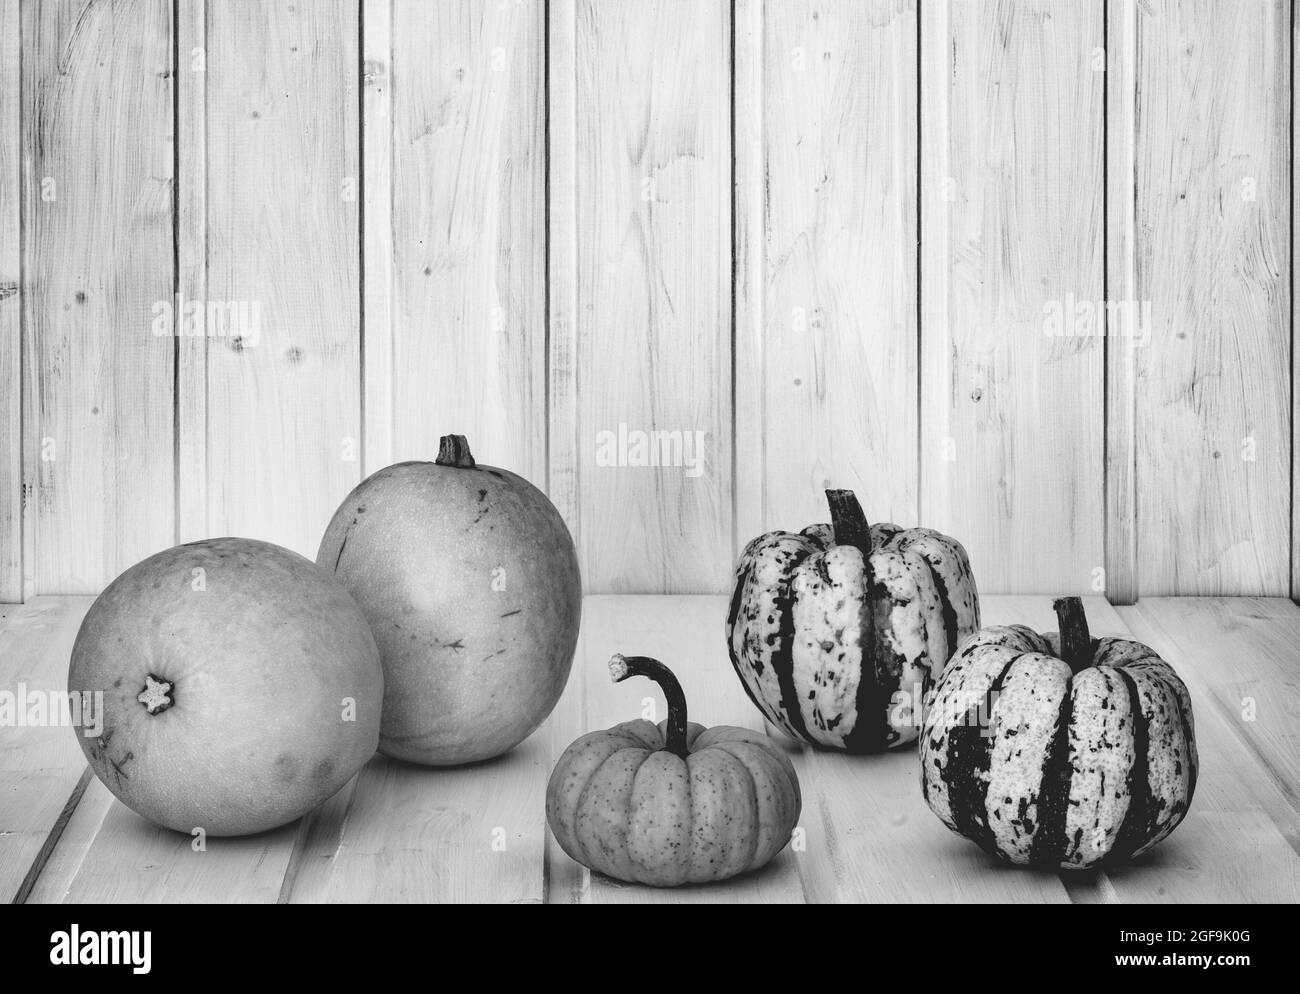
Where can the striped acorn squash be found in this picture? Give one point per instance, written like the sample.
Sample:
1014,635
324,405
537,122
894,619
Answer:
837,631
1059,750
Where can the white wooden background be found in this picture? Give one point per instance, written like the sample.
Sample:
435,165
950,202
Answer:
822,233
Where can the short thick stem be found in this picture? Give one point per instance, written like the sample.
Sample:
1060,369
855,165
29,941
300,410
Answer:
621,667
453,450
1076,640
849,522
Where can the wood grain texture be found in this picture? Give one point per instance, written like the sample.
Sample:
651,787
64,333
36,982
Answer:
467,222
1241,653
1295,358
1012,205
1242,835
653,167
405,833
97,139
562,444
67,855
40,765
11,297
377,232
1122,572
1213,257
133,861
283,249
191,268
749,271
827,350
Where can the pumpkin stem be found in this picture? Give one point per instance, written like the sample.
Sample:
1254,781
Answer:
849,523
453,450
621,667
1076,640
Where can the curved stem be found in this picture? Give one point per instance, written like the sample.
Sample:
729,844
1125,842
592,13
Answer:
453,450
621,667
850,523
1076,640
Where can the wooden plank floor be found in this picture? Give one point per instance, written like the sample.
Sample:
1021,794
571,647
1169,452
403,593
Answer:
400,833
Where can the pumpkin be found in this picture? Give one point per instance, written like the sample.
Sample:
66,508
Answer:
672,803
241,686
838,631
1059,751
469,579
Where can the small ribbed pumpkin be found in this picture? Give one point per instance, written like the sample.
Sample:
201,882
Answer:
1059,751
672,803
838,631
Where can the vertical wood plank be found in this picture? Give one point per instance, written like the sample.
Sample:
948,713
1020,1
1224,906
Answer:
97,139
1122,331
1012,206
191,271
1213,416
562,446
11,296
377,232
467,220
835,379
749,273
283,258
1295,358
654,291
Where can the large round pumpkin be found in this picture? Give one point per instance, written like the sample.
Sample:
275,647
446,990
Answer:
241,686
672,803
838,631
1059,750
469,579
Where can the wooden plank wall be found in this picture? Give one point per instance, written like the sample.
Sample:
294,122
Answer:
827,390
1011,227
823,240
653,290
1213,173
283,422
97,266
456,232
11,446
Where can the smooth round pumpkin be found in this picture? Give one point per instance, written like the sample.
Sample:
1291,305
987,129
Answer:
838,631
241,686
469,579
673,803
1059,751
